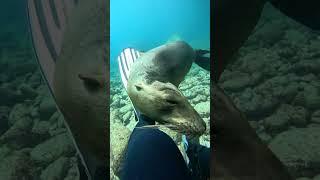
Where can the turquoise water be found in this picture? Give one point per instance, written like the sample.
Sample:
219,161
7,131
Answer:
145,24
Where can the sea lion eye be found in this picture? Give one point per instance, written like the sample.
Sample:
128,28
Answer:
90,83
138,87
172,102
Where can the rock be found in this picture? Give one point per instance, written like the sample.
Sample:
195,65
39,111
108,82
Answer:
306,66
203,109
266,138
276,123
255,105
315,117
126,108
55,116
297,115
312,97
309,98
205,140
9,96
73,172
119,137
4,115
317,177
18,134
238,82
47,108
123,102
52,149
4,151
286,115
18,112
299,150
132,124
34,113
126,118
290,91
56,170
57,124
35,79
27,91
254,124
41,128
16,166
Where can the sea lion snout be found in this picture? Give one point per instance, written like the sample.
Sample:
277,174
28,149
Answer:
164,103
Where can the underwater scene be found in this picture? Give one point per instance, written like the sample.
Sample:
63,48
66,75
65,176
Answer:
143,25
34,141
275,82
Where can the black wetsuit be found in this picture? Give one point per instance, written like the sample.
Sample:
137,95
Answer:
152,154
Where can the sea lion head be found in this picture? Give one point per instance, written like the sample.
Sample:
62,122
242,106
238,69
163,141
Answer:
81,86
165,104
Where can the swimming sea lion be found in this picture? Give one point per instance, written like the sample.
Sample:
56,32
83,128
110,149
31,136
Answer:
81,85
70,41
153,82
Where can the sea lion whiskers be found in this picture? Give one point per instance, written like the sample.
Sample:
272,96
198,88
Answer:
152,87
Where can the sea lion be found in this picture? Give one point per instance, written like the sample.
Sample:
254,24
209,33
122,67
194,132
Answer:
234,21
153,82
70,41
80,84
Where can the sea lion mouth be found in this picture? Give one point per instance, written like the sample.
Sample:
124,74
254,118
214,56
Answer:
164,103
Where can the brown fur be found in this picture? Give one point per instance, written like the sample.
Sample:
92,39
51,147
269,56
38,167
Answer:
152,87
80,83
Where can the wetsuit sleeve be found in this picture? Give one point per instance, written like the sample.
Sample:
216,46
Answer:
151,154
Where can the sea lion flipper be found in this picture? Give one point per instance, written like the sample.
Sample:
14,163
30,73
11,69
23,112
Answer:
202,60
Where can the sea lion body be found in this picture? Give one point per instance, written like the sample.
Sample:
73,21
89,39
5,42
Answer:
153,82
80,81
167,63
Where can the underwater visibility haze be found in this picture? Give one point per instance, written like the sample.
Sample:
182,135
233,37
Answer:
143,24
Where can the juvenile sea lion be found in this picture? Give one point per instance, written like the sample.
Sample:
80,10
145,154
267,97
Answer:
80,82
153,82
70,40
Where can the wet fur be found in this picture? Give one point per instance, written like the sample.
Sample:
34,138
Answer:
152,87
80,81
